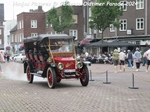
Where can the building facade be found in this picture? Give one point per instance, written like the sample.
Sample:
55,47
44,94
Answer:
29,24
134,28
8,25
135,23
34,22
1,27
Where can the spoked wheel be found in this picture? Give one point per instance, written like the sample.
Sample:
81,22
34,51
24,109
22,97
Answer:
84,78
29,75
51,77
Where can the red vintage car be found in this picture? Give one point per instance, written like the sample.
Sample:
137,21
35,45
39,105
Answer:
53,57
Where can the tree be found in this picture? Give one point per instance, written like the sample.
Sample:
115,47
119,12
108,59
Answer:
61,19
106,14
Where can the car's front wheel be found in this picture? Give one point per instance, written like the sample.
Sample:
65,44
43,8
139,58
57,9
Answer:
84,78
51,77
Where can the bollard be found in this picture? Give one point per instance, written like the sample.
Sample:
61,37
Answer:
106,79
133,83
91,76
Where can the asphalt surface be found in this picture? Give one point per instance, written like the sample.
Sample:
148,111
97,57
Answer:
17,95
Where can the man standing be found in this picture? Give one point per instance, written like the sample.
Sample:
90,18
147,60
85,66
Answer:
130,59
115,57
147,54
122,58
137,57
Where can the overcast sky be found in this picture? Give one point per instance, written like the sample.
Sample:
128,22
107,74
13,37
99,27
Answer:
14,7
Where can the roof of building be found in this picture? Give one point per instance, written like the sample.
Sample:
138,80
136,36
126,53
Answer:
14,29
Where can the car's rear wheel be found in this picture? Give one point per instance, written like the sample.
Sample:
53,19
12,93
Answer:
84,78
51,77
29,75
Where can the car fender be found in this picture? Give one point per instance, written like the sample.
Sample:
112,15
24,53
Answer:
46,67
28,63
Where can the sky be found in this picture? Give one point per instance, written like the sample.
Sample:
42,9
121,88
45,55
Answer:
14,7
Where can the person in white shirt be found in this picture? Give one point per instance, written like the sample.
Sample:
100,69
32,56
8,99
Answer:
122,57
147,54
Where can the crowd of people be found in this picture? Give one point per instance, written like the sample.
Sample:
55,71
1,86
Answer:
120,59
133,59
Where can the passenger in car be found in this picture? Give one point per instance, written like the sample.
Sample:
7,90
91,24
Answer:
31,54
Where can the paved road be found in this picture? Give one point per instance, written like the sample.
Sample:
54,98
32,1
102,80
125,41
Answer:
16,95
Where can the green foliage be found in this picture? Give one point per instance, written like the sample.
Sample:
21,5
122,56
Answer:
61,19
103,16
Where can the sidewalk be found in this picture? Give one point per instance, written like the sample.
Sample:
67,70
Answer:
100,68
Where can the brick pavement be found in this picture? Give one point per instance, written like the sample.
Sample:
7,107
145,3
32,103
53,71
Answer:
69,96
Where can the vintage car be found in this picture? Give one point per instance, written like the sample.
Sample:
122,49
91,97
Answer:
53,57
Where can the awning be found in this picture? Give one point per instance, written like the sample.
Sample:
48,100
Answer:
120,44
98,44
110,44
84,42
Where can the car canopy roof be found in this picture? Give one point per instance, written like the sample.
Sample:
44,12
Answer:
48,36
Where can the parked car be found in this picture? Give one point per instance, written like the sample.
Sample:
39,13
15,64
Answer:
12,57
19,58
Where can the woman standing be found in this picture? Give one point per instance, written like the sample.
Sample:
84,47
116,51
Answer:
137,58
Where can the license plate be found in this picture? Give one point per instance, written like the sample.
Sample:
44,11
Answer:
69,70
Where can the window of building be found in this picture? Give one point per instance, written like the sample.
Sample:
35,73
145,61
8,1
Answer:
139,4
18,25
124,5
34,34
90,12
33,23
75,17
123,26
112,28
74,33
0,41
0,31
12,38
8,39
22,24
20,38
139,23
16,37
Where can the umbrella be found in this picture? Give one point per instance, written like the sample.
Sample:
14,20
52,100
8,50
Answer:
84,42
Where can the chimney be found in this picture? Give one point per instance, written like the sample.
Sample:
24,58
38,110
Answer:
40,8
31,10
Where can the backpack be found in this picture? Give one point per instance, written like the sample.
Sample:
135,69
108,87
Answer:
130,56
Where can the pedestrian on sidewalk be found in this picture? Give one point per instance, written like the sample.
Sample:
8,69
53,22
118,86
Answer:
137,58
144,59
115,58
130,59
1,61
147,54
122,57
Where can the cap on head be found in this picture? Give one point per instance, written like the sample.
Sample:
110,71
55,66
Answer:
137,49
115,50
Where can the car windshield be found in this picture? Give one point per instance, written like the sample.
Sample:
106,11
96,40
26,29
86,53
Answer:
61,45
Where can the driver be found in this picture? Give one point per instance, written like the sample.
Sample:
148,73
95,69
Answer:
63,49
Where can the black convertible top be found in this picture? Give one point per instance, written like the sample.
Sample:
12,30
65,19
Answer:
48,36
